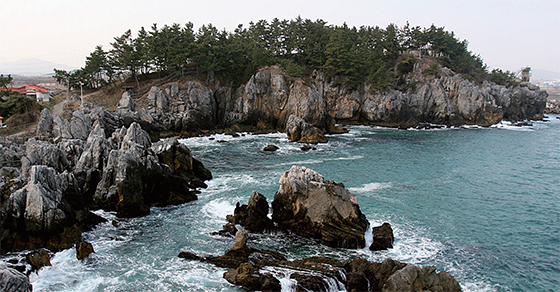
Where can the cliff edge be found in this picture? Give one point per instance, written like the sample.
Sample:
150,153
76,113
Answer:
270,97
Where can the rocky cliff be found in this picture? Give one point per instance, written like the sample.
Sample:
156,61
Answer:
270,97
91,160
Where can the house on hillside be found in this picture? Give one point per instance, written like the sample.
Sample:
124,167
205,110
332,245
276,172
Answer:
32,91
43,96
1,122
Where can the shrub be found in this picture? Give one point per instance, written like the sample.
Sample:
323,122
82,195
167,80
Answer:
434,69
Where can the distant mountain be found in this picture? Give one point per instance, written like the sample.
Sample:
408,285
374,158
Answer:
31,67
539,74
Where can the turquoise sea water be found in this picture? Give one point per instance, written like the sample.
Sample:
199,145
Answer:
480,203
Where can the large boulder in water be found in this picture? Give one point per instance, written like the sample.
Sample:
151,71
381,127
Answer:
383,237
298,130
311,206
254,215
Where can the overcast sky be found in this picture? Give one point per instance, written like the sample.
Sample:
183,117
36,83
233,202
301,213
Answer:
507,34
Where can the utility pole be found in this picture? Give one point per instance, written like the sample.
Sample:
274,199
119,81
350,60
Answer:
67,89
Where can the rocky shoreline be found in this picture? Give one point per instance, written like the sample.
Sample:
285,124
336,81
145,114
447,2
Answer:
308,205
88,160
94,158
272,101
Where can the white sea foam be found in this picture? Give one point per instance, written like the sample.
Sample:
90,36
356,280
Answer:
320,161
368,236
506,125
228,183
218,209
479,287
370,187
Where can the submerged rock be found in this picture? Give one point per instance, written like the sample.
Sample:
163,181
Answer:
311,206
83,249
38,259
270,148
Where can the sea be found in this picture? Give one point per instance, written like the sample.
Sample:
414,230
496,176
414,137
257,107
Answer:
480,203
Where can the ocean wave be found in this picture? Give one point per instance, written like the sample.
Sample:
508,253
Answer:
320,161
218,209
370,187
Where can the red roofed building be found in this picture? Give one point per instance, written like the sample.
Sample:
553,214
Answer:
1,121
26,89
33,91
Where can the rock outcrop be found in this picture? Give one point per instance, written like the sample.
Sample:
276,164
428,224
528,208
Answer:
269,99
311,206
298,130
12,280
83,249
38,259
383,237
253,216
89,160
307,205
261,270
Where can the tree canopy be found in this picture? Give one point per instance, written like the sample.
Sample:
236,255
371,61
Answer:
298,46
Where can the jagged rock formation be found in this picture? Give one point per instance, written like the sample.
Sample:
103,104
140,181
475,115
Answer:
307,205
260,270
552,107
383,237
269,98
298,130
12,280
311,206
90,160
253,216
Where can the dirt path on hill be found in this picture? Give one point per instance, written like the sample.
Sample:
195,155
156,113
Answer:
59,107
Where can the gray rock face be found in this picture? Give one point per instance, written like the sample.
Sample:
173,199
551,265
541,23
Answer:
135,137
108,120
42,153
157,98
126,102
45,124
12,280
44,208
133,180
96,150
10,153
198,106
311,206
270,98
